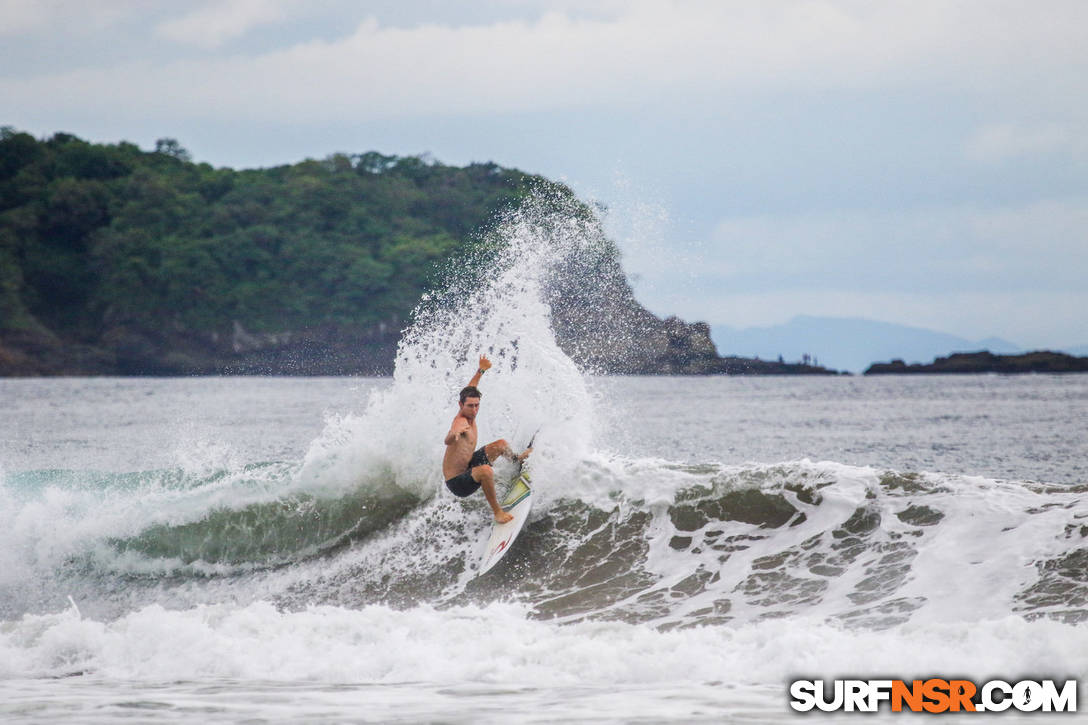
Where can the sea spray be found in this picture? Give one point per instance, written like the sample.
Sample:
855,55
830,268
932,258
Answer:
493,300
214,514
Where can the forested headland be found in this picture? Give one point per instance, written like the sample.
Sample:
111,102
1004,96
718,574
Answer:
118,260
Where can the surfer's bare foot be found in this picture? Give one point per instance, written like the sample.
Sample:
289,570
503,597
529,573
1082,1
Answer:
502,517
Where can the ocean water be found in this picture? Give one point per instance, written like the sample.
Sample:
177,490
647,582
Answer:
283,550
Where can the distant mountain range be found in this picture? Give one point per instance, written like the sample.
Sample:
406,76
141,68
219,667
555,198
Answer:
846,343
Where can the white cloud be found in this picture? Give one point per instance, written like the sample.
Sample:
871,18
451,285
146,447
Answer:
644,53
23,17
1043,244
214,23
1015,272
18,16
1003,141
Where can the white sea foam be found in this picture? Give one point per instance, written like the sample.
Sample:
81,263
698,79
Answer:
500,644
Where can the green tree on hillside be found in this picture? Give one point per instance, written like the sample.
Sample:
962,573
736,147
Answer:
102,241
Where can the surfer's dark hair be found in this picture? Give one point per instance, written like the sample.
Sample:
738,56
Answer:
470,392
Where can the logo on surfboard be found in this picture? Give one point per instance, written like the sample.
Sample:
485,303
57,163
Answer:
517,502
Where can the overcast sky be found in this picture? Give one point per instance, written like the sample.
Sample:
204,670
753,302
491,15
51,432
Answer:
922,162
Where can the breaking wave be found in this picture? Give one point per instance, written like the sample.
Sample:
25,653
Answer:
354,562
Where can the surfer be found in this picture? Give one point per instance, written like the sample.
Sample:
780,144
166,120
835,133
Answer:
466,470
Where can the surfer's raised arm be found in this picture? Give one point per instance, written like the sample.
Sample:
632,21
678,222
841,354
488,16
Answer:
485,365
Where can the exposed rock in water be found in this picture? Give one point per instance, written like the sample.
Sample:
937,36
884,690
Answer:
1042,361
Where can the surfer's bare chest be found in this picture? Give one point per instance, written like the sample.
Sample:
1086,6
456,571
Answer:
459,452
468,440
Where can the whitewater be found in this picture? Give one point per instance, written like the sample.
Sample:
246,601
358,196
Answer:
284,550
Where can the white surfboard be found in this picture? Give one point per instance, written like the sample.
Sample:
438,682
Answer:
517,502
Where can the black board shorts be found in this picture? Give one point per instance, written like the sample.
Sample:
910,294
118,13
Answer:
464,484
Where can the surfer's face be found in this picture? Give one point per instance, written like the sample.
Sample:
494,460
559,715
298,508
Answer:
470,407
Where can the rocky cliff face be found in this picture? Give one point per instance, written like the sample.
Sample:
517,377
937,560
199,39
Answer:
602,327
